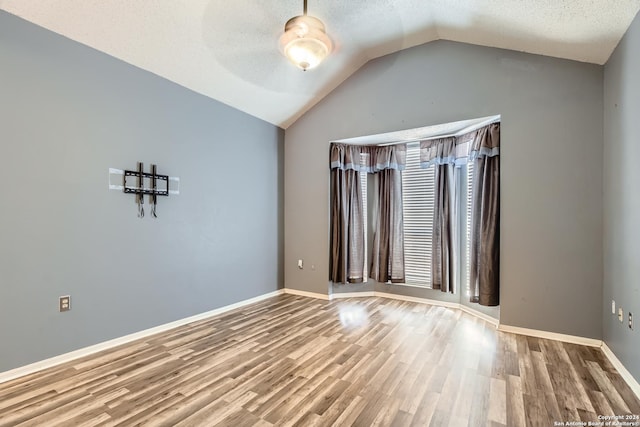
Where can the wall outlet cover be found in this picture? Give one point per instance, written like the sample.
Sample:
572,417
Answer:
64,303
620,314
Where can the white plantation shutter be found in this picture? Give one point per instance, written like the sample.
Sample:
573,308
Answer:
418,202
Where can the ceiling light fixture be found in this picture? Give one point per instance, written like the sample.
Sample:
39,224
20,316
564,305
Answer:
305,41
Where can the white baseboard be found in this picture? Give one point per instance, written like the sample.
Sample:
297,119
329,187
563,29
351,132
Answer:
589,342
341,295
495,322
453,305
418,300
306,294
86,351
624,373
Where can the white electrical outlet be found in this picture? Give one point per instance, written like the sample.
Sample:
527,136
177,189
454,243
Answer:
613,307
631,321
620,314
64,303
300,264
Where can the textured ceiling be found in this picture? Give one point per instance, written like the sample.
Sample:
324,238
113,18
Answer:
227,50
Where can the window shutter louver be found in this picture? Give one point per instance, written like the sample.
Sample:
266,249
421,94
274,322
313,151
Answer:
418,205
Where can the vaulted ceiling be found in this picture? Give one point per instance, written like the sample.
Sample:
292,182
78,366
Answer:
228,50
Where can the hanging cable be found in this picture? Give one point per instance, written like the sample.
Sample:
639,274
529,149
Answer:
139,194
140,207
154,195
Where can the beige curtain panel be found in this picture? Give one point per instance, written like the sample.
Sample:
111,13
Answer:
346,263
387,257
444,259
482,147
441,154
387,252
347,221
485,225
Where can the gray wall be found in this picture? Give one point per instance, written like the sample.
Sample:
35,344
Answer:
622,198
551,157
67,114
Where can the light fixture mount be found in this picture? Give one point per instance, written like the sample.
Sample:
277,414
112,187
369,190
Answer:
305,42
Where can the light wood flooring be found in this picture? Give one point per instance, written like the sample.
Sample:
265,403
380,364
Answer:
293,360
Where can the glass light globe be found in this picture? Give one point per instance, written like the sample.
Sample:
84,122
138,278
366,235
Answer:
305,42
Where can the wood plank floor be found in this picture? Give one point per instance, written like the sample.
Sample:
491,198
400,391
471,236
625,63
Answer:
295,361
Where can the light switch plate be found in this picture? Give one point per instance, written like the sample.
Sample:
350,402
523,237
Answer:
620,314
613,307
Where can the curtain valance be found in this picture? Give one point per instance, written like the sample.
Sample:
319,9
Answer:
386,157
441,151
486,142
378,158
461,149
345,157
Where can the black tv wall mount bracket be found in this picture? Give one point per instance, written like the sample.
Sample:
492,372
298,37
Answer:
141,183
